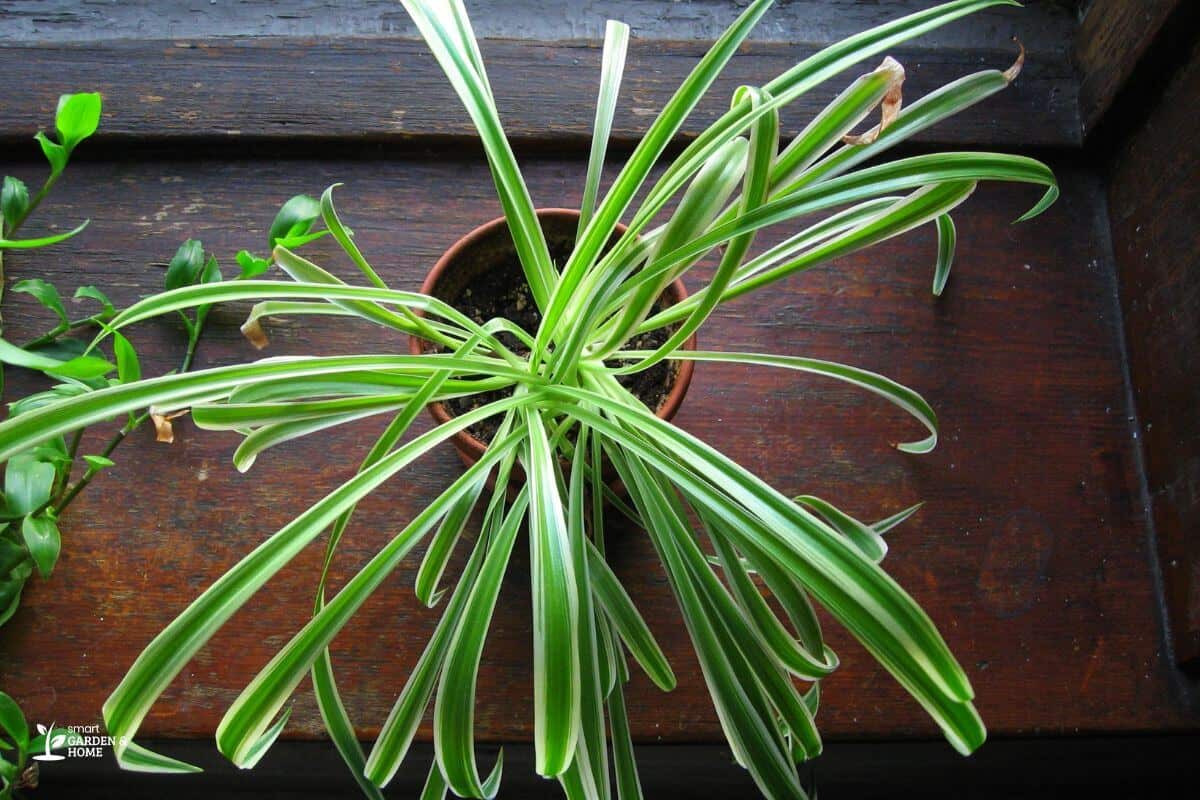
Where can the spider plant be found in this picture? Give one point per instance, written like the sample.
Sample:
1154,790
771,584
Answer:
719,531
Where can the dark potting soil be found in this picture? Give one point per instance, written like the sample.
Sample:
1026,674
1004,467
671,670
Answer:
502,291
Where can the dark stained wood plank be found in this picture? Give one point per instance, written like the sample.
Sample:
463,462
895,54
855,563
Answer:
1113,36
1044,24
1031,552
1155,208
1040,769
392,90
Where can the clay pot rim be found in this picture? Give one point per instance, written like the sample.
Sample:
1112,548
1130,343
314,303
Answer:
469,445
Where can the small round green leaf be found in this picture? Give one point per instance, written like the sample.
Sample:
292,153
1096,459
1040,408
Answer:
12,721
251,265
27,483
82,368
186,266
295,218
92,293
14,199
77,118
43,540
45,293
129,369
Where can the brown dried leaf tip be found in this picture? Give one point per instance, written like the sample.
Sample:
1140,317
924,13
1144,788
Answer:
253,331
893,99
29,778
163,430
1012,72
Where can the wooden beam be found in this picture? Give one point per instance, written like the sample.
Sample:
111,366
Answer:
392,90
1154,202
1113,36
1043,26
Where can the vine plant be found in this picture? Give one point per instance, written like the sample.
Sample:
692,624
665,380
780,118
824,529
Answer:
34,481
18,744
714,524
38,485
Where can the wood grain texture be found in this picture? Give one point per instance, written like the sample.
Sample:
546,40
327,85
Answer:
1112,38
392,90
1031,552
1043,24
1156,239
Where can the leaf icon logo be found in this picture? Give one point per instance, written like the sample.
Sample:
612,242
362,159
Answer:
51,740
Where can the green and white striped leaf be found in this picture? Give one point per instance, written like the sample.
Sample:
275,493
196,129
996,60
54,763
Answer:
556,685
895,393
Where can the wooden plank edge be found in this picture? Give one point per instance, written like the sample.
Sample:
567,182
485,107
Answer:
392,90
1113,37
1156,248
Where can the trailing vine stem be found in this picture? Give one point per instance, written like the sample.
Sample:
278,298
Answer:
129,427
60,504
16,225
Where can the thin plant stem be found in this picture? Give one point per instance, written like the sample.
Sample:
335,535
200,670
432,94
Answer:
3,279
61,328
35,202
190,353
129,427
113,443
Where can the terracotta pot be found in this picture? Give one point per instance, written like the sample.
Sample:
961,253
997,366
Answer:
490,244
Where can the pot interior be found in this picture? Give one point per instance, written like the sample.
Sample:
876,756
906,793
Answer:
484,279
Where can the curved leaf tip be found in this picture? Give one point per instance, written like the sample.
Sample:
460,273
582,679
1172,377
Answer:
1048,199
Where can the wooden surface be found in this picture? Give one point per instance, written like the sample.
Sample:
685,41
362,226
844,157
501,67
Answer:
392,90
1031,552
1045,25
1113,37
1035,552
1156,238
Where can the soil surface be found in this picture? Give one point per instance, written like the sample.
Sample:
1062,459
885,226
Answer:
500,290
